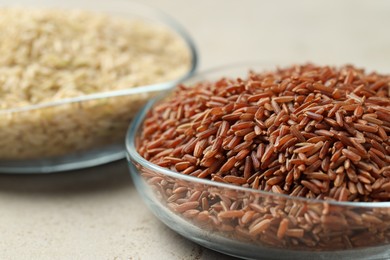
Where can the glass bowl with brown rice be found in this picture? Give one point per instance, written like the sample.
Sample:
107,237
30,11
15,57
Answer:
73,75
261,162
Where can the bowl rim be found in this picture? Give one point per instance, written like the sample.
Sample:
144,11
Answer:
159,17
134,156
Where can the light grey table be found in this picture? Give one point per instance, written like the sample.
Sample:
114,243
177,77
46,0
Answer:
89,214
97,213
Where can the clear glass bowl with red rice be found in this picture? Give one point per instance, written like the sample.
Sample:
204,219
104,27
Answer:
265,223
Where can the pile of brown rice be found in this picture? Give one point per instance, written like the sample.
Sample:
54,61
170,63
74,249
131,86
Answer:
47,55
309,131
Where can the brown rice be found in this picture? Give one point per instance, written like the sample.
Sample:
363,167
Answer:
47,55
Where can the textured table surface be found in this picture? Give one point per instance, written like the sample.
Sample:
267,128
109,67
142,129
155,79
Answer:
97,213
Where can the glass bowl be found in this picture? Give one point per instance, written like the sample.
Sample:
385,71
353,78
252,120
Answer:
88,130
256,224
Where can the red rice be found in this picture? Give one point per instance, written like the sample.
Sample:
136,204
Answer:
309,131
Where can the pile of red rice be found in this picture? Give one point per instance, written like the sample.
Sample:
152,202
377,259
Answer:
310,131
